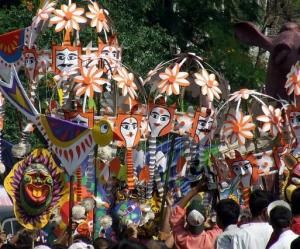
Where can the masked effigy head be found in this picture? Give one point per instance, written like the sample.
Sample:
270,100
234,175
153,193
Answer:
244,167
202,125
36,185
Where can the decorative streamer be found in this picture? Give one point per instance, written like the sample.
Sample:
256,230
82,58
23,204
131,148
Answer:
2,166
130,171
152,164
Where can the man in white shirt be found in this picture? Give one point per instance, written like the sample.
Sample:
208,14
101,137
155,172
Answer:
233,237
259,229
280,219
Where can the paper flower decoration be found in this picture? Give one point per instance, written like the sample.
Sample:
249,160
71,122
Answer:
44,13
238,127
125,81
68,17
65,75
98,17
293,80
209,85
172,79
241,94
272,120
90,81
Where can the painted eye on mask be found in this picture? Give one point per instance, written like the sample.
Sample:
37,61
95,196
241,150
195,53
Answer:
163,119
104,128
154,115
72,57
27,179
49,181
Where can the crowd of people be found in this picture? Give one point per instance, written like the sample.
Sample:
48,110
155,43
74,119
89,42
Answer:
273,224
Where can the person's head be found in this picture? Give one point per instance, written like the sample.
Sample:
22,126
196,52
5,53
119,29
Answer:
81,245
128,244
296,243
156,244
102,243
59,246
295,202
195,217
81,238
259,201
228,212
24,239
280,217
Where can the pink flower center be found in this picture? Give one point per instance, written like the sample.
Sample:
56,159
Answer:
210,83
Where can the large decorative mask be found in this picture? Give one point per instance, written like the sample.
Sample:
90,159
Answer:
160,119
110,53
31,63
80,117
128,128
202,125
36,185
244,167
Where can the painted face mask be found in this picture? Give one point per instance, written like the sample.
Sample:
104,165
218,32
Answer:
128,128
111,54
245,167
31,63
160,120
66,56
202,126
37,186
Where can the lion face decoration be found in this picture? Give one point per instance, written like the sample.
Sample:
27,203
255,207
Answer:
37,186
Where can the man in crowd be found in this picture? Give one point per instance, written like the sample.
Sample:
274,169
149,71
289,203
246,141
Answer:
233,237
188,224
280,219
259,229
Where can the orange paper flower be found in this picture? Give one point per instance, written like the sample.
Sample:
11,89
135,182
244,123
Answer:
172,79
68,17
98,17
44,13
272,120
89,82
208,84
241,94
125,81
238,128
293,80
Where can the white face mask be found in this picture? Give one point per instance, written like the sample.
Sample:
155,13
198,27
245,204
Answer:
111,56
159,118
243,169
66,59
129,129
203,128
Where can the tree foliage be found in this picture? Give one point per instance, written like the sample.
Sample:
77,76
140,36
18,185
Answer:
154,30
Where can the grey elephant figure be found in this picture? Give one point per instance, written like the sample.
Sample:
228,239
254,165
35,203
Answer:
284,51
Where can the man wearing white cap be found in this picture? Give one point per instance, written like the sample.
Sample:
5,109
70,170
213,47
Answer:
280,218
188,224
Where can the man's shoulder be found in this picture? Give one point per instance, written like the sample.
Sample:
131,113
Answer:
257,227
